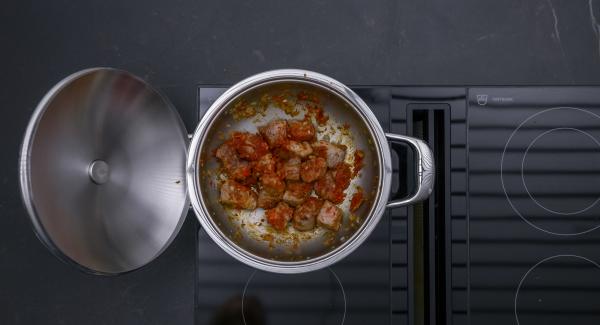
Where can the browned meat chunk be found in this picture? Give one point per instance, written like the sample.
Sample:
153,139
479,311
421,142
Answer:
334,153
330,216
279,216
327,189
305,214
282,153
357,199
271,192
296,193
250,180
300,149
272,184
249,146
302,130
313,169
275,132
236,168
267,164
342,175
237,195
226,153
291,169
267,200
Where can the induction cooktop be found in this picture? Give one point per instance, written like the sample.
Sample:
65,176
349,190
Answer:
509,236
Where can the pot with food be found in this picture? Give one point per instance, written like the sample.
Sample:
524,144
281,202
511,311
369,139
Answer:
289,171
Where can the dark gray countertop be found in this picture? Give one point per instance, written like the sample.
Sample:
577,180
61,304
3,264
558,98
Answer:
179,44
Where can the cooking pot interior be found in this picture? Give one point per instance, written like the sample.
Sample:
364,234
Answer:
248,230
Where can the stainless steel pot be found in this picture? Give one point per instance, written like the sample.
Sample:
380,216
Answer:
318,251
105,181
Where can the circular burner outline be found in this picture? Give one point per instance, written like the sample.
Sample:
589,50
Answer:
523,176
536,265
329,269
502,172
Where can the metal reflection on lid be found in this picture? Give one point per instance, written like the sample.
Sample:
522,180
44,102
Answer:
102,171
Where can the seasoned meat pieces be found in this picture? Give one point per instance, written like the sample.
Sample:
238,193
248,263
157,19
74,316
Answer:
291,169
278,168
296,192
226,153
236,168
271,190
272,184
306,213
249,146
327,189
336,181
279,216
300,149
250,180
237,195
267,200
342,175
282,153
334,153
302,130
267,164
330,216
313,169
275,132
357,199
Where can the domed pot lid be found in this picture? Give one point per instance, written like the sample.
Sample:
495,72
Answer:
102,171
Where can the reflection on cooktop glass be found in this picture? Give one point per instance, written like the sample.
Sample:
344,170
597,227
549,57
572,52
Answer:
354,291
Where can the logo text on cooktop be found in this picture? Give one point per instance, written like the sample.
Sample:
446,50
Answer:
483,99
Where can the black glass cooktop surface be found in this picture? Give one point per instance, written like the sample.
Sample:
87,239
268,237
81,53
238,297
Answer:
534,187
510,235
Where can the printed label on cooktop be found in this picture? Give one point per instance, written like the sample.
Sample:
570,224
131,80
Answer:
483,99
532,96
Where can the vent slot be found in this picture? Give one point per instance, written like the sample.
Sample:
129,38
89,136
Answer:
430,122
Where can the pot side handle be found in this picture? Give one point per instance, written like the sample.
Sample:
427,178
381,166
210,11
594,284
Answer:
425,169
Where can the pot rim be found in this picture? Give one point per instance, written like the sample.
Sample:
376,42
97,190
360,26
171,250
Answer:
238,252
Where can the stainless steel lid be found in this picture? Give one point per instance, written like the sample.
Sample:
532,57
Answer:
102,171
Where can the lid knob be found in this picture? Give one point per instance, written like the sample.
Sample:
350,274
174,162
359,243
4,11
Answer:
99,171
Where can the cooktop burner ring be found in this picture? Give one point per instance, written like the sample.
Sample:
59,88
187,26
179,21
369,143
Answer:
502,174
591,205
335,276
585,259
